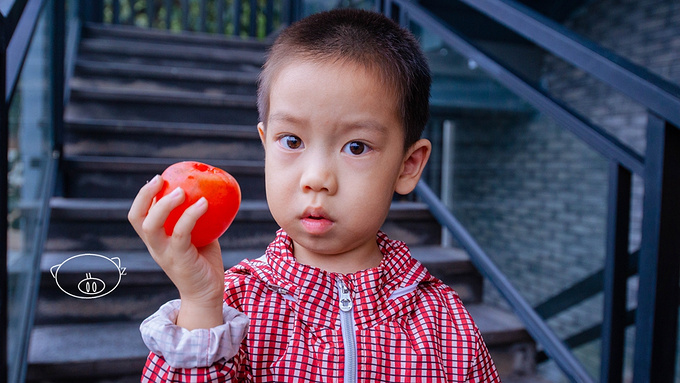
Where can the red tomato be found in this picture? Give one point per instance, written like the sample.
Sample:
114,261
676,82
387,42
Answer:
201,180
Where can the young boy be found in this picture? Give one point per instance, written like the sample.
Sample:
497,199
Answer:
343,100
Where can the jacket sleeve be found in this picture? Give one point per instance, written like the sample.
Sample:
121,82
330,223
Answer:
179,355
483,369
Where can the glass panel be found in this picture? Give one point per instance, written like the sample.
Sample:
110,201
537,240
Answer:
531,193
28,156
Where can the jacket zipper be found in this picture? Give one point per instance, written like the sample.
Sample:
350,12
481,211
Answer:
349,334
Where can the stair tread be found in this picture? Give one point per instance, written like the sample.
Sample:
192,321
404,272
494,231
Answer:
104,209
151,164
99,342
498,326
184,51
163,72
79,123
140,261
125,32
146,95
85,342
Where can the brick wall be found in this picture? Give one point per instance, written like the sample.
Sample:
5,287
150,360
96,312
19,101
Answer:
534,195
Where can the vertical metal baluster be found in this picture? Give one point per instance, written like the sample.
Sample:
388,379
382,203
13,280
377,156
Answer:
657,312
615,274
404,19
237,17
169,5
116,11
269,17
220,17
253,18
4,199
203,23
388,8
150,12
448,152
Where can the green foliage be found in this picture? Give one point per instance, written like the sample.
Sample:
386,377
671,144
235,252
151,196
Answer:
211,16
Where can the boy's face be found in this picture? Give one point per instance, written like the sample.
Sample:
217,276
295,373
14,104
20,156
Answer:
334,158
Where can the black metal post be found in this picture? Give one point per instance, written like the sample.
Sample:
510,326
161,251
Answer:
238,8
269,17
252,27
4,142
295,11
185,14
168,13
150,13
615,274
58,54
115,5
97,10
657,313
203,20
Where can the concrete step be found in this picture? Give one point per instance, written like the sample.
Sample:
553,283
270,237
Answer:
121,177
101,225
144,286
171,55
98,74
134,34
161,106
130,297
100,350
114,138
69,352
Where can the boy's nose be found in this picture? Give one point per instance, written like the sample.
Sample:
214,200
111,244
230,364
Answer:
319,176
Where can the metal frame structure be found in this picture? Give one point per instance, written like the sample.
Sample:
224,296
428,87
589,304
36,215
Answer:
16,33
659,267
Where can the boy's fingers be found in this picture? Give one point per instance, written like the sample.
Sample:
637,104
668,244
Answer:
187,221
152,227
143,200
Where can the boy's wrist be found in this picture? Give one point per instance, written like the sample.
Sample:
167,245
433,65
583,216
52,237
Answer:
196,315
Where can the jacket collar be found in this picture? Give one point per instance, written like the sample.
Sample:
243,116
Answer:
377,293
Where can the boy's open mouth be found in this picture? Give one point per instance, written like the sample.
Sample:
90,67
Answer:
316,221
315,214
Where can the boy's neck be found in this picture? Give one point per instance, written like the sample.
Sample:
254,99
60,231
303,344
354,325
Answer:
362,258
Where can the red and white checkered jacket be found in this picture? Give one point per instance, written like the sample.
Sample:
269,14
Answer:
393,323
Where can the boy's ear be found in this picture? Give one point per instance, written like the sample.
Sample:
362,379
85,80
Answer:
260,131
415,160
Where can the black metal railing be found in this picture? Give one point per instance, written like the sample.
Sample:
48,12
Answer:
31,42
657,312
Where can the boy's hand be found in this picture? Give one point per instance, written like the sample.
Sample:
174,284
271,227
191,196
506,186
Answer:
198,273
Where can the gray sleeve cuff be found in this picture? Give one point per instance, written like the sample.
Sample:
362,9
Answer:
182,348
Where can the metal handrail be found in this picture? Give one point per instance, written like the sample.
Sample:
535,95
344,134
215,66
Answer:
535,325
658,95
19,41
597,138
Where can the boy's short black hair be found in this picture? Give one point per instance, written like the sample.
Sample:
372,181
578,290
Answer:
361,37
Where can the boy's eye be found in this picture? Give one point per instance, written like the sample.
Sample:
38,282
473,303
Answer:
355,148
291,142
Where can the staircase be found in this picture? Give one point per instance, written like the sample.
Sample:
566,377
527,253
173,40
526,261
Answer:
140,101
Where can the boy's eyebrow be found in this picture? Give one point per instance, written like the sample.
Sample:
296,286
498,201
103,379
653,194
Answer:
360,124
284,117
